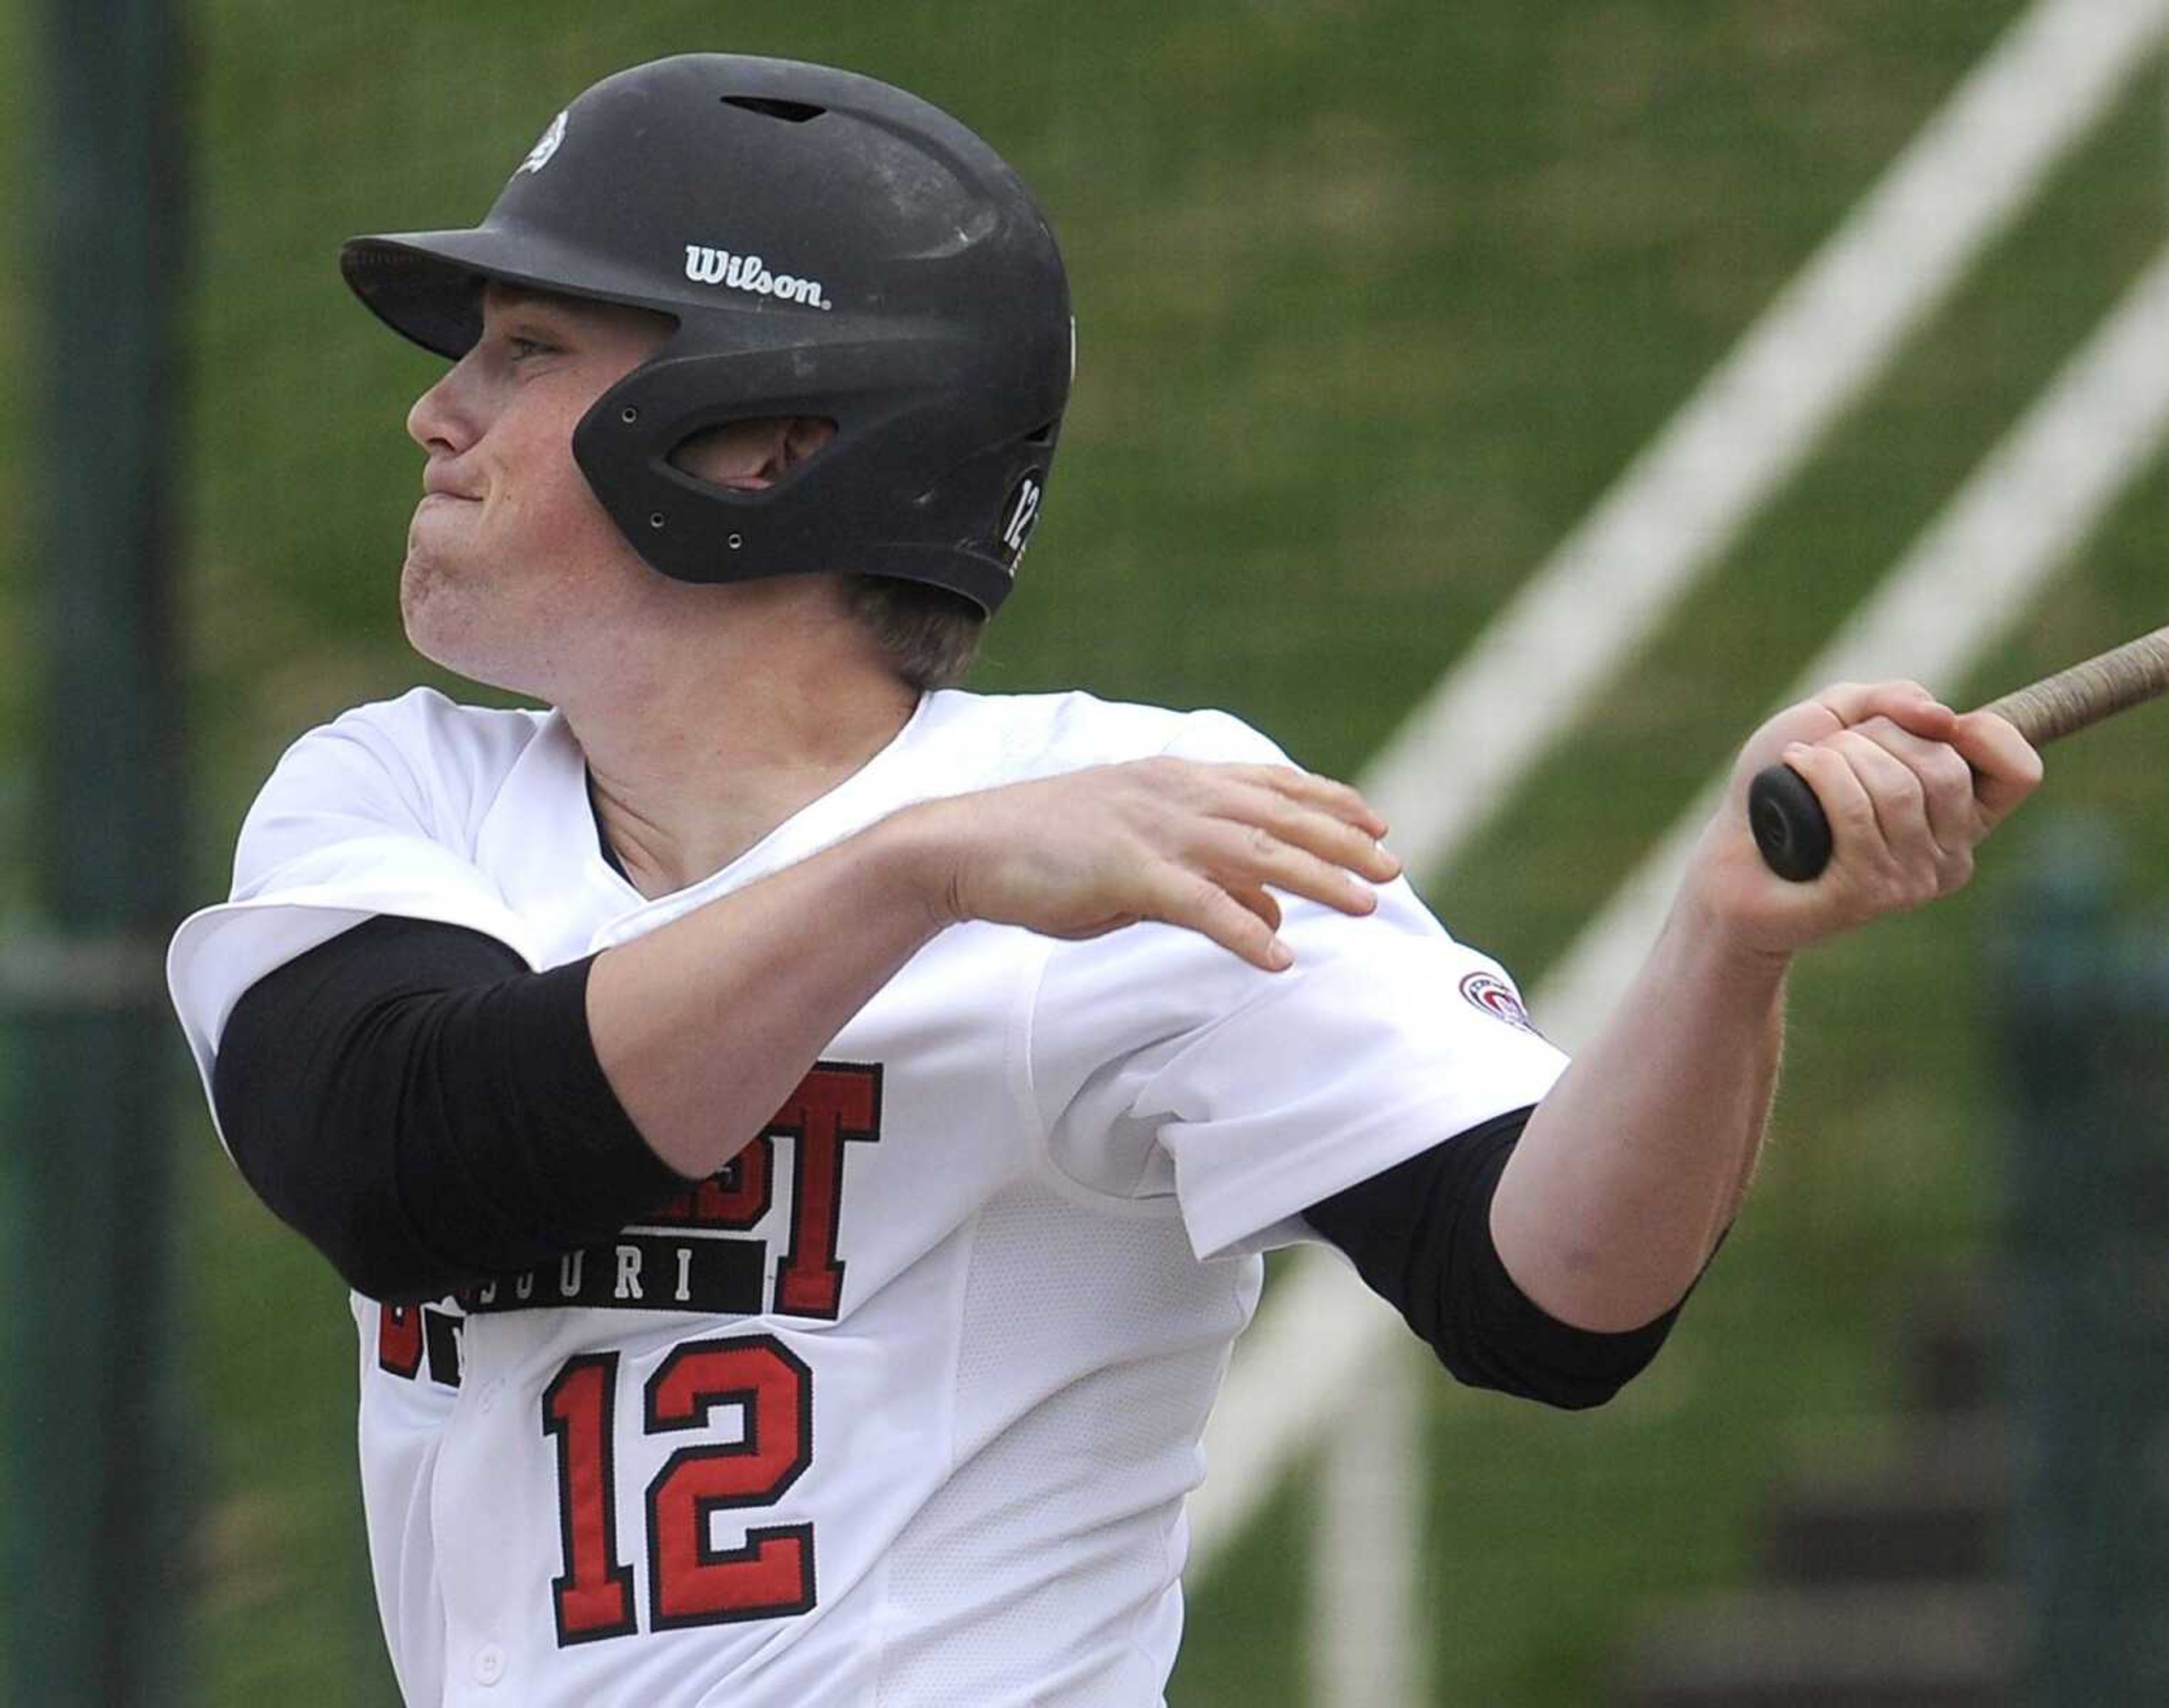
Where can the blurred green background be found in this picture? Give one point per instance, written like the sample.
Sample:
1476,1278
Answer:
1375,298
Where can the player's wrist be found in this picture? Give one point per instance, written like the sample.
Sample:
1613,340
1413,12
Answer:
1723,922
916,862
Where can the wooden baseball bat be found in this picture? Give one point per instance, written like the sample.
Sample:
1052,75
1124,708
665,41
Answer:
1788,822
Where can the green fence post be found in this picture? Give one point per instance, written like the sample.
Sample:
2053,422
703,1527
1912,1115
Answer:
92,1485
2085,1031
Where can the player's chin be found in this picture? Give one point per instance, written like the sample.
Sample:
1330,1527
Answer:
450,628
431,611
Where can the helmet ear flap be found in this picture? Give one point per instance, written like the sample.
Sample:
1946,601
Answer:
895,414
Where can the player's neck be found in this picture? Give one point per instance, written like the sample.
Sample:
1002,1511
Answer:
693,767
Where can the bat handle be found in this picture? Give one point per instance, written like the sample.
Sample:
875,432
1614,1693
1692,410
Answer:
1788,823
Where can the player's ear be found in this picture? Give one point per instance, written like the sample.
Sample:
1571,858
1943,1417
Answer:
752,453
805,435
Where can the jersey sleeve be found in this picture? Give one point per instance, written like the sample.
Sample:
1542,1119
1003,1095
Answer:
372,814
1163,1067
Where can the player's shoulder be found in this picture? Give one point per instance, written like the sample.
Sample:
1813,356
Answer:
427,724
1023,735
424,735
421,761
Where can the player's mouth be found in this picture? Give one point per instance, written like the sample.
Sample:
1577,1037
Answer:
435,485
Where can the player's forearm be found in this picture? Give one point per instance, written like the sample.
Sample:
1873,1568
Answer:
1634,1166
704,1025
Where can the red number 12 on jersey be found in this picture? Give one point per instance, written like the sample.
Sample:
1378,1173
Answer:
691,1582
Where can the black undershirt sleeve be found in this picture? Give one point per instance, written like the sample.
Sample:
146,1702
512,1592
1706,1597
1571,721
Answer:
427,1112
1420,1234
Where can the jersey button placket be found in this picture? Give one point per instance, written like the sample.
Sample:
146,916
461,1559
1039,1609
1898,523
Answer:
488,1664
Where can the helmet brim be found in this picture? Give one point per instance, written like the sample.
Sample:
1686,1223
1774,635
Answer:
426,285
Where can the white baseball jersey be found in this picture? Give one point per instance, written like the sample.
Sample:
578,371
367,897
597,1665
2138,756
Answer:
901,1408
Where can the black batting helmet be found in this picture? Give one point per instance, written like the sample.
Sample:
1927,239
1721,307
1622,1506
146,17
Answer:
829,246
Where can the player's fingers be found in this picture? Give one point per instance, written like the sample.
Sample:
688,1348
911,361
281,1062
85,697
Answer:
1906,704
1905,854
1856,836
1836,707
1330,838
1327,795
1259,900
1946,780
2007,768
1201,904
1251,855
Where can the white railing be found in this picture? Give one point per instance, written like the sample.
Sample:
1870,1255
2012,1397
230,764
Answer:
1328,1368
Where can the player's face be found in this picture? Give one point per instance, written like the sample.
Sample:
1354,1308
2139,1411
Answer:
509,551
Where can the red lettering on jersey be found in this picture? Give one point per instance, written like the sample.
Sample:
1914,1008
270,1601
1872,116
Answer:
408,1334
733,1199
399,1340
836,1105
688,1580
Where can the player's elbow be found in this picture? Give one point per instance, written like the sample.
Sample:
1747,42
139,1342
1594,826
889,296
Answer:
1567,1373
353,1222
371,1273
343,1199
1584,1394
311,1095
390,1268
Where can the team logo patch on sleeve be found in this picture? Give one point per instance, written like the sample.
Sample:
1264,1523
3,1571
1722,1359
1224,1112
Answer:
1498,999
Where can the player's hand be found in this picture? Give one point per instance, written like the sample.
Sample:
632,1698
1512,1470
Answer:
1910,787
1188,843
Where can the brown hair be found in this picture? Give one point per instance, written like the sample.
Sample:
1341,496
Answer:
928,636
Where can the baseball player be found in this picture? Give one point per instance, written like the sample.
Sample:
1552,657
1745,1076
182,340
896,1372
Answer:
800,1136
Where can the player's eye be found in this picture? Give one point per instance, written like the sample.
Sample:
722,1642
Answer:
522,347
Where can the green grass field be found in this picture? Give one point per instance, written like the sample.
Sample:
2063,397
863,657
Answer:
1375,300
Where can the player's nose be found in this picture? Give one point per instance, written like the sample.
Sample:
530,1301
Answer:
443,416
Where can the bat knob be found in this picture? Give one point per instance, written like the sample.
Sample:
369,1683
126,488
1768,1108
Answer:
1788,823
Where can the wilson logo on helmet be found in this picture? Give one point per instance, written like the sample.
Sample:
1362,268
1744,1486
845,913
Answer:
747,272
